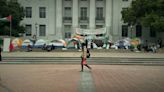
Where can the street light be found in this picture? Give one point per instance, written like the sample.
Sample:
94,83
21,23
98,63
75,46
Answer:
131,27
36,26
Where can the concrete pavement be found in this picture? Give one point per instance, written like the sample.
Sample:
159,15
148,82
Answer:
67,78
78,54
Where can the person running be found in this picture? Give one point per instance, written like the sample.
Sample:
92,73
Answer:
83,58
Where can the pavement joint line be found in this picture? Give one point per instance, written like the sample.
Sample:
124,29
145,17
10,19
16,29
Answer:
5,88
86,83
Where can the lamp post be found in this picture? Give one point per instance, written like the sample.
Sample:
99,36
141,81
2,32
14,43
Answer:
131,29
36,28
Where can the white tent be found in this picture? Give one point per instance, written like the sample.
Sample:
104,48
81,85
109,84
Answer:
27,42
40,42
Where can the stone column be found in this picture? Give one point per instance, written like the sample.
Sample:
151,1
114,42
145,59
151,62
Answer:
92,14
51,17
116,19
108,19
59,19
75,15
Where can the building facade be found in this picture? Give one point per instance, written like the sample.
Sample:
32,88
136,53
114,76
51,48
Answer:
57,19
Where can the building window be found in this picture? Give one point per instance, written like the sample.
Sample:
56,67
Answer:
28,29
124,0
67,30
124,30
42,12
14,0
83,26
42,30
138,31
67,34
99,26
125,8
28,12
83,13
152,32
67,12
99,13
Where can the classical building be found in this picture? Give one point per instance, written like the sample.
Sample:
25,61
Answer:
57,19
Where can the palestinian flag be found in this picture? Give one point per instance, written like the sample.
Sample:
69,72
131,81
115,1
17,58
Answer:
8,18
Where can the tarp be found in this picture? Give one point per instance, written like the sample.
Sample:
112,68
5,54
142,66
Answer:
135,42
99,43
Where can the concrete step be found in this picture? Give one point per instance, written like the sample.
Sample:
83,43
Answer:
76,60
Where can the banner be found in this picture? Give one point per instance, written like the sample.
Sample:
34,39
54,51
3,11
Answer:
6,44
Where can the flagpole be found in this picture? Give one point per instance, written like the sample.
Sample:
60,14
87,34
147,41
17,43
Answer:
10,26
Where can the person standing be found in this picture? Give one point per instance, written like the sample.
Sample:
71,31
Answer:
91,45
146,45
160,42
88,53
83,58
29,48
86,42
0,54
11,47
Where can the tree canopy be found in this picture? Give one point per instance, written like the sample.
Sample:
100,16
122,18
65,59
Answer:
14,9
149,13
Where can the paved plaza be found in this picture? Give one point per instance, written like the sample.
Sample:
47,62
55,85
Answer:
67,78
78,54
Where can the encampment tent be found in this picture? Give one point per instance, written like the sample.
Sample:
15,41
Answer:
26,43
17,42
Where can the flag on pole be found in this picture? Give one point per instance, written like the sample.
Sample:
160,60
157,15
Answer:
8,18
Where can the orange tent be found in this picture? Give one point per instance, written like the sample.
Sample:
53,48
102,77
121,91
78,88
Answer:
17,42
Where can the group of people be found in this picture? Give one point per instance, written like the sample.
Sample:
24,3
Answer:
152,48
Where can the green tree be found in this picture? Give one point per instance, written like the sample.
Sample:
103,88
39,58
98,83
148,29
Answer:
148,13
14,9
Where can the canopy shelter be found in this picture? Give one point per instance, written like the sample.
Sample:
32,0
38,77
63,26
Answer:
72,42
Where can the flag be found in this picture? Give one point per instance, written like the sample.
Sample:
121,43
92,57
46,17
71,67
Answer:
8,18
